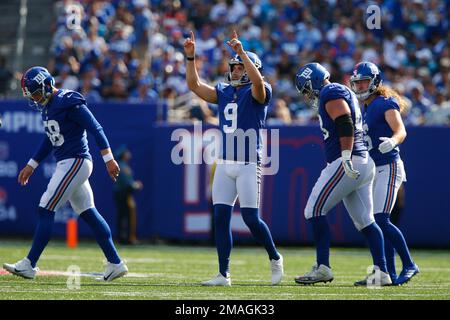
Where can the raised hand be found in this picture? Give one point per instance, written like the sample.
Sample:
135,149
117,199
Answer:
189,45
235,44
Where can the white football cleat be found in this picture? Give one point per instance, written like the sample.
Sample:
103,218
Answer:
22,269
317,274
218,280
375,279
276,266
114,271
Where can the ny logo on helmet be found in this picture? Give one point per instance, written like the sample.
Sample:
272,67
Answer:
306,73
40,77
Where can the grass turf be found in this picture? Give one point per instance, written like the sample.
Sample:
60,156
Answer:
175,272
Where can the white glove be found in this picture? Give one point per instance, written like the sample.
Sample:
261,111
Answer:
387,145
348,165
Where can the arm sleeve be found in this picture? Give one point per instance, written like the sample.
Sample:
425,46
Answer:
219,89
44,149
390,104
83,116
268,89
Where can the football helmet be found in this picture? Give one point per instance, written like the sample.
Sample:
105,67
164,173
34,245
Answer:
237,60
37,80
309,80
365,71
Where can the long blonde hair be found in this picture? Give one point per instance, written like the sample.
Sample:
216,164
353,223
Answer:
388,92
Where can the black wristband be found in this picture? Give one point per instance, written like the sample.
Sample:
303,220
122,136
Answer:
190,58
344,125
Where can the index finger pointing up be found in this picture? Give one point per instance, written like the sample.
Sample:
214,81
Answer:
235,34
192,36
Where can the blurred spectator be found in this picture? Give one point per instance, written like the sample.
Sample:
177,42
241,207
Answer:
143,93
128,40
439,113
66,80
420,105
142,24
199,111
280,114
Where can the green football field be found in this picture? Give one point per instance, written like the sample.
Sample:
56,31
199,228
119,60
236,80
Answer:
174,272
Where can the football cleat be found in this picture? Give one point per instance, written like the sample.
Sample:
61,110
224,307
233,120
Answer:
407,274
321,273
114,271
375,279
218,280
22,269
276,266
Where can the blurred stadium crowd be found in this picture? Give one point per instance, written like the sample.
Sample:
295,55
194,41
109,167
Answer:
133,50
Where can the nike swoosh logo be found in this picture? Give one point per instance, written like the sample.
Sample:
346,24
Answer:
109,275
380,171
19,270
69,95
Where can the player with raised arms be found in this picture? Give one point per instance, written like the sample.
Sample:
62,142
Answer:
242,107
384,132
66,119
348,175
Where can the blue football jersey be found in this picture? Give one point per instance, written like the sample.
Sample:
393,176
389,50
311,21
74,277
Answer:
376,126
66,118
239,110
335,91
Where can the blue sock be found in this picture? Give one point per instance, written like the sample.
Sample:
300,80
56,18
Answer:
389,252
102,233
375,239
224,238
395,237
260,231
42,234
322,238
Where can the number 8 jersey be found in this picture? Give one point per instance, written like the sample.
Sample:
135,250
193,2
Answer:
335,91
66,119
239,110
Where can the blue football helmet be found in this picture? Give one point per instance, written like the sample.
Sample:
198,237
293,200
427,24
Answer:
309,80
37,80
237,60
365,71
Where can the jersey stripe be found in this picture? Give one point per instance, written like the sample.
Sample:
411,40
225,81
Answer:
391,187
387,190
64,184
60,183
329,186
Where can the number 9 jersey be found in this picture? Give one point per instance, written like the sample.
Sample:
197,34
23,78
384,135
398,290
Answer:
239,110
335,91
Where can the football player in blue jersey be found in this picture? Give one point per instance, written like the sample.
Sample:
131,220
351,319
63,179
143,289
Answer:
348,175
66,119
384,132
242,105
